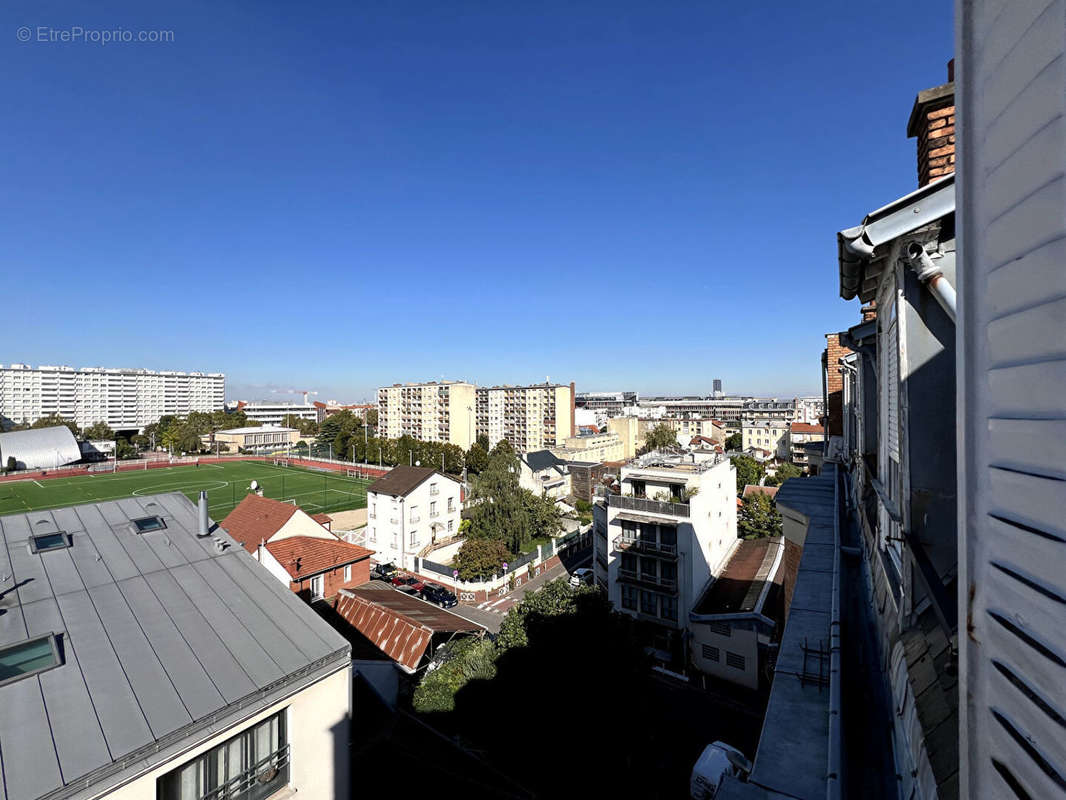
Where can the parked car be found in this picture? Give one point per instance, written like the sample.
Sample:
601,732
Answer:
407,583
444,598
385,571
580,576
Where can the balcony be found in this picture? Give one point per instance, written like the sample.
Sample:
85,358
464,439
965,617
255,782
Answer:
415,518
668,585
629,545
627,503
434,491
434,514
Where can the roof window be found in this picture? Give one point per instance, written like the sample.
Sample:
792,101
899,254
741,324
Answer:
28,657
43,542
146,524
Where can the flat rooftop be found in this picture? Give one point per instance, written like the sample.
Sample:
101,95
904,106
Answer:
163,638
794,745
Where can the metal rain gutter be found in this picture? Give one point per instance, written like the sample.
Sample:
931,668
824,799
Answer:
932,276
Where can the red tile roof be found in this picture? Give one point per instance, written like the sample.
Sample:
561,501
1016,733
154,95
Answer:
323,520
751,489
698,439
400,625
806,427
256,519
303,556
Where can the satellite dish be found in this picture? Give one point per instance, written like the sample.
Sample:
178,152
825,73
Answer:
255,486
418,463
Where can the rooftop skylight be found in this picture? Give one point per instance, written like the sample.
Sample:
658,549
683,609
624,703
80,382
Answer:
28,657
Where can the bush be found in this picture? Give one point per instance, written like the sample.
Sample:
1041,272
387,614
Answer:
466,660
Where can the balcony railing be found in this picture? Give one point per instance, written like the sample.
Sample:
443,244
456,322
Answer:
626,503
631,576
434,491
625,543
415,518
259,781
434,513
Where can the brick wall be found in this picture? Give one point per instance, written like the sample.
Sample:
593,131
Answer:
834,384
583,480
334,580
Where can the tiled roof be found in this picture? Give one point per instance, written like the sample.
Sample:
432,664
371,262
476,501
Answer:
399,624
806,427
740,586
751,489
322,519
401,481
302,556
256,519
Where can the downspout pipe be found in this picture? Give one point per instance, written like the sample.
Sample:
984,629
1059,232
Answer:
931,275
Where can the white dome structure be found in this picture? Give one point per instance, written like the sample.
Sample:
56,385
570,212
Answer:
42,448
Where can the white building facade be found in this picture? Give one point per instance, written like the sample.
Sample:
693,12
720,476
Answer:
408,510
125,399
275,413
531,418
661,541
429,412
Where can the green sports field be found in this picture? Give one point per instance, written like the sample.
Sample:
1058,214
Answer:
226,485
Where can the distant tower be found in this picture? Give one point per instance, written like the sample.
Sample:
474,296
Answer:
717,387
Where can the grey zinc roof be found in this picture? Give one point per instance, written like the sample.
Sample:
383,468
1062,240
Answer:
792,757
164,641
40,448
541,459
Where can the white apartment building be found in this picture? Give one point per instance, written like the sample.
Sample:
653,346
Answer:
408,510
531,418
613,404
429,412
809,410
770,435
125,399
662,540
275,413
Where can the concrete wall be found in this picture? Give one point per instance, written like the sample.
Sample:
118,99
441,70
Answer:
317,726
741,641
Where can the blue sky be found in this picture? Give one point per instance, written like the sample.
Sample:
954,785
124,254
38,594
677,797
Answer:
339,196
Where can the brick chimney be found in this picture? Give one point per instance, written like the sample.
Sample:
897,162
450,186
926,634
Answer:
834,385
932,121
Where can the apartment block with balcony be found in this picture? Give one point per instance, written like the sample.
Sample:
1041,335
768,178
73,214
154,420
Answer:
659,543
430,412
409,510
530,418
801,434
126,399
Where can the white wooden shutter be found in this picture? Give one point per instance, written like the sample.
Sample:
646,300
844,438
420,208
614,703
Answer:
1012,398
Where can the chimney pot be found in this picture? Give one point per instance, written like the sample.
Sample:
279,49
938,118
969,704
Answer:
204,521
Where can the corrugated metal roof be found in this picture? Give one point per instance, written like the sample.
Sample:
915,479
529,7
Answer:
163,638
40,448
402,626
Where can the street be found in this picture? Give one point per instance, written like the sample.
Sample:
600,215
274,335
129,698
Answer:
491,612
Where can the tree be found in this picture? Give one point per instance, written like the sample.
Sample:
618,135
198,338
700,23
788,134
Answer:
371,418
749,471
477,458
98,431
544,518
758,517
659,437
500,510
54,420
306,427
735,442
187,440
478,558
783,473
556,598
123,449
